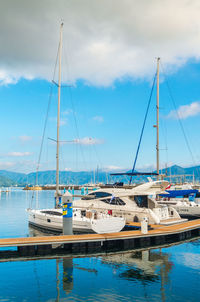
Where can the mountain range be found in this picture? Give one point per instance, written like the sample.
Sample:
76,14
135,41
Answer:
8,178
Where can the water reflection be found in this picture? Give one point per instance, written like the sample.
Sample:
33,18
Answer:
148,261
136,274
36,232
145,267
5,193
65,265
66,279
68,275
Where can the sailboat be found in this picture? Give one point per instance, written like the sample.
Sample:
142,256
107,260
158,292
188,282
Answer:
83,221
186,207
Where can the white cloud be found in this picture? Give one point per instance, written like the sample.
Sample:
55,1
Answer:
185,111
6,165
105,40
146,168
99,119
18,154
63,121
88,141
67,169
25,138
190,260
112,168
67,112
6,79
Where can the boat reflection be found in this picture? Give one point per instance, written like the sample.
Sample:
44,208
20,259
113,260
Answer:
36,232
146,267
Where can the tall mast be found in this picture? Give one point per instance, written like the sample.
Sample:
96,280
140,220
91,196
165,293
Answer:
157,123
58,118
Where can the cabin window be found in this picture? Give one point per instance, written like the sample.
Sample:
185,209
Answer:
97,195
48,220
101,194
115,201
83,213
141,201
52,213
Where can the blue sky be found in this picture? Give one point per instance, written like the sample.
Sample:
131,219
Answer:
110,77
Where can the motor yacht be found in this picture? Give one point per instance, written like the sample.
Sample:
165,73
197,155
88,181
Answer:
132,204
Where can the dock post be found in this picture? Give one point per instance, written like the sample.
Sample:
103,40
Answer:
67,213
144,225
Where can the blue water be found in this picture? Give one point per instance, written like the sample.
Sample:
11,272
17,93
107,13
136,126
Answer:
167,274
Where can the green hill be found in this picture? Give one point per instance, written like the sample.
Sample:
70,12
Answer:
8,178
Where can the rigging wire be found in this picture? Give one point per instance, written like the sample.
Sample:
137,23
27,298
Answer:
65,51
141,135
97,156
45,124
76,127
178,117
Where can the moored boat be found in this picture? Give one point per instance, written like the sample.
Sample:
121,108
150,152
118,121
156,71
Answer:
132,204
83,221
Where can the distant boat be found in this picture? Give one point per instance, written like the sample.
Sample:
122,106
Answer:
185,207
33,188
184,199
6,190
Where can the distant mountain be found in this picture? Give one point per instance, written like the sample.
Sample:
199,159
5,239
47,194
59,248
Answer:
49,177
6,182
174,170
8,178
15,177
183,173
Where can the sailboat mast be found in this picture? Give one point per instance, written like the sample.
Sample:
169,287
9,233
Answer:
58,118
157,123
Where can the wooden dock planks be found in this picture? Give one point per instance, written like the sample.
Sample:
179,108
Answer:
158,230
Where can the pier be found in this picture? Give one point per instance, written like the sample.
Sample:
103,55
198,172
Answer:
75,187
96,243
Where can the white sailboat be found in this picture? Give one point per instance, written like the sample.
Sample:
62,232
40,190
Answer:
83,221
183,206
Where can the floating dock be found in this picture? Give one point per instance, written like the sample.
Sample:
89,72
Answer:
97,243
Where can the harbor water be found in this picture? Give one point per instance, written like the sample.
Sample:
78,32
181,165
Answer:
166,274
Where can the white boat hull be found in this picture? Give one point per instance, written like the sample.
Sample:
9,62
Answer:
45,221
54,223
107,225
184,208
190,212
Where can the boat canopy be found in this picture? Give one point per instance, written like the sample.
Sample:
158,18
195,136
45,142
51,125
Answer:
134,173
179,193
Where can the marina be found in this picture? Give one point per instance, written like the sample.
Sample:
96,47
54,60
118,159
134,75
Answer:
99,187
139,256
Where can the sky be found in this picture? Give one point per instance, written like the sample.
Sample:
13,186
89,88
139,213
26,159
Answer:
108,65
